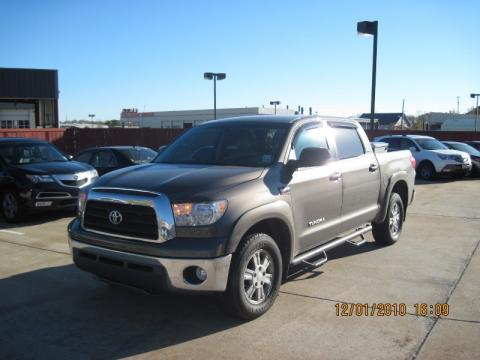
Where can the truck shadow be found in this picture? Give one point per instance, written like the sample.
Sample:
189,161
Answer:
66,314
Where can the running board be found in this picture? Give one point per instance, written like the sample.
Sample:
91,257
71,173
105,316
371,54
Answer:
330,245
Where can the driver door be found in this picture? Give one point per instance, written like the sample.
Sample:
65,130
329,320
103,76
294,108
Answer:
316,192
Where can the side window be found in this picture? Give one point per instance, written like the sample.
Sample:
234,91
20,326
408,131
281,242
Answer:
349,144
104,158
406,144
83,157
309,137
393,144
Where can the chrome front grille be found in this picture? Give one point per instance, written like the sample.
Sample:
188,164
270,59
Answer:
129,214
75,180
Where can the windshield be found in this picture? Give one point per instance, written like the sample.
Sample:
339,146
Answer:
139,155
465,147
430,144
22,154
238,145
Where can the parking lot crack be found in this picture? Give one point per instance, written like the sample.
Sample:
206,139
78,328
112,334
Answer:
35,247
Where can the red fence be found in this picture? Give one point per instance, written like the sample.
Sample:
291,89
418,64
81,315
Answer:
73,140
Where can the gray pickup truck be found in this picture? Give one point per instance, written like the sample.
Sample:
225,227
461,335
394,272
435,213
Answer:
232,205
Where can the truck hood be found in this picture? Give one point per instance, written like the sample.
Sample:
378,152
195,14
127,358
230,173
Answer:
448,152
50,168
179,181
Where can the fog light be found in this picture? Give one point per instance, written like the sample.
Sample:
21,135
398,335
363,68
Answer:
201,274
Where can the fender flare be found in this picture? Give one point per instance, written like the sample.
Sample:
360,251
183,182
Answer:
394,179
280,210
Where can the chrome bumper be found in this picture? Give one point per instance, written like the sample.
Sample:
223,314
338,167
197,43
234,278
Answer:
217,269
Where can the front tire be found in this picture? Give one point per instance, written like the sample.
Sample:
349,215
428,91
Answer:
388,232
426,171
255,277
11,206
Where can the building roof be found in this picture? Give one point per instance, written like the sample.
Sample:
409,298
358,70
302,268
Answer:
386,118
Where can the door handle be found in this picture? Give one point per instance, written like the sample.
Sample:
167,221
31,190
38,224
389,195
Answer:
373,167
335,176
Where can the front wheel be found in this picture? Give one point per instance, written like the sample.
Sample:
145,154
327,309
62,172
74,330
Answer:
388,232
426,171
255,277
12,209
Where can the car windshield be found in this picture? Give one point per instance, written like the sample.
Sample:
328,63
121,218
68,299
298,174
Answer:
430,144
255,145
30,153
139,155
466,148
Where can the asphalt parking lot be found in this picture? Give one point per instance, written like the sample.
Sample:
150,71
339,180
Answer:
49,309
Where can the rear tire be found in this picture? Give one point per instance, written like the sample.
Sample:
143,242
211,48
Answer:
388,232
11,206
426,171
255,277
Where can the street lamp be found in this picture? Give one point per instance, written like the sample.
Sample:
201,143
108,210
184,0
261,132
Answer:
215,77
476,109
275,103
371,28
91,116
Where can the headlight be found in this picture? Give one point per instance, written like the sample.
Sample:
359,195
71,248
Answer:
197,214
450,157
93,173
39,178
82,200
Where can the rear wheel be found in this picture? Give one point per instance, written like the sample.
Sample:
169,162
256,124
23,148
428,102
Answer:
255,277
388,232
426,171
12,209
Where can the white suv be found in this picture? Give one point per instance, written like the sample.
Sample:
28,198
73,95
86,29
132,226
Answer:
431,155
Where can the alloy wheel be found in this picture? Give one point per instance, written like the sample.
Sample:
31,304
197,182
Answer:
258,277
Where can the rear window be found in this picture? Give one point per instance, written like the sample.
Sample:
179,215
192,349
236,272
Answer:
349,144
139,155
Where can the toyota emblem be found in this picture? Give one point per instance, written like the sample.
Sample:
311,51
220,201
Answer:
115,217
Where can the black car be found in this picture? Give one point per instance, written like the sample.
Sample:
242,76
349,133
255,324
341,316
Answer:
35,175
106,159
474,143
469,149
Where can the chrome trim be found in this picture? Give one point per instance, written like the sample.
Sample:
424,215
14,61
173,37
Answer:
75,177
217,268
160,204
61,195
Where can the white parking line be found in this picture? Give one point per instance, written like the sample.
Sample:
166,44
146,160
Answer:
12,232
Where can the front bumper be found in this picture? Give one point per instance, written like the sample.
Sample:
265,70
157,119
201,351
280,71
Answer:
456,168
153,274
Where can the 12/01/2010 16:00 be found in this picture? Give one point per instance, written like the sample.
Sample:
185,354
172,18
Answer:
390,309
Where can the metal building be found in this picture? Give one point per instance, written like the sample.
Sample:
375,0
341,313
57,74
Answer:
188,118
28,98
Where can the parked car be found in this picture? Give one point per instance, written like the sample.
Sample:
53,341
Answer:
231,205
35,176
475,144
106,159
432,156
474,153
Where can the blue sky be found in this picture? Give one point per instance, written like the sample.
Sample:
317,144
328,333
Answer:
152,54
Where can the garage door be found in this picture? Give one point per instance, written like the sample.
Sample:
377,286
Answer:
16,118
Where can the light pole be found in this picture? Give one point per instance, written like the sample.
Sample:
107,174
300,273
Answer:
476,109
214,77
371,28
275,103
91,116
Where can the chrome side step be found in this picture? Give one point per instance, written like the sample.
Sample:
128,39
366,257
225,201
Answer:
330,245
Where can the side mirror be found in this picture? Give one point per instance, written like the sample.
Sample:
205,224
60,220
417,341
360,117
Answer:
311,156
412,149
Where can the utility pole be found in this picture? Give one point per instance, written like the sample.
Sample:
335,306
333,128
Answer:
458,104
403,107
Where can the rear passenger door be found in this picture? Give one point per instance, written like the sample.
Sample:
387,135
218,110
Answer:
360,176
104,161
316,192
